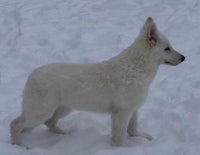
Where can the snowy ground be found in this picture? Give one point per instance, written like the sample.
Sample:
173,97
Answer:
35,32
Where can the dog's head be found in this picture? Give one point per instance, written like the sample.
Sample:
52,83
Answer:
159,45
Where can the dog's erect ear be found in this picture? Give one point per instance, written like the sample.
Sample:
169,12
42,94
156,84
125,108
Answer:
151,32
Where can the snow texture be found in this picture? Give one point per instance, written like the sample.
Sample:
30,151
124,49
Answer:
35,32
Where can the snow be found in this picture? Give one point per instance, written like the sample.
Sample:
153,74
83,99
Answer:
33,33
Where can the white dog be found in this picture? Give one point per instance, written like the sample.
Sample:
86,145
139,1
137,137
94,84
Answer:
117,86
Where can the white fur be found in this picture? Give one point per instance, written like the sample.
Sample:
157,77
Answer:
118,87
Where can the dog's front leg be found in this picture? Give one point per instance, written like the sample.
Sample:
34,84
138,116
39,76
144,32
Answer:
132,128
120,120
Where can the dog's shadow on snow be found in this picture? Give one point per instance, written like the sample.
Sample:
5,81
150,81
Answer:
87,141
89,134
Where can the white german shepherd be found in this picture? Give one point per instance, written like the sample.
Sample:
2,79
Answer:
118,86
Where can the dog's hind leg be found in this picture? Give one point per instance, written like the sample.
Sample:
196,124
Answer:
16,127
52,122
132,128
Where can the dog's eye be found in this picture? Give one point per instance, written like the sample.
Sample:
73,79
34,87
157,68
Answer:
167,49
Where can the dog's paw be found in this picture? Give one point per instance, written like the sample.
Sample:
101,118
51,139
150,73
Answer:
146,135
57,130
116,143
141,134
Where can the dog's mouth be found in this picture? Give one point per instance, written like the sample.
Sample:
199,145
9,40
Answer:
169,63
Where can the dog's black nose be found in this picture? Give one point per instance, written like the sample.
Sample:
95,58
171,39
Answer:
182,58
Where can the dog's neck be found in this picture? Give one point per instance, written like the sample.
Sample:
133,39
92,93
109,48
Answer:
135,63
